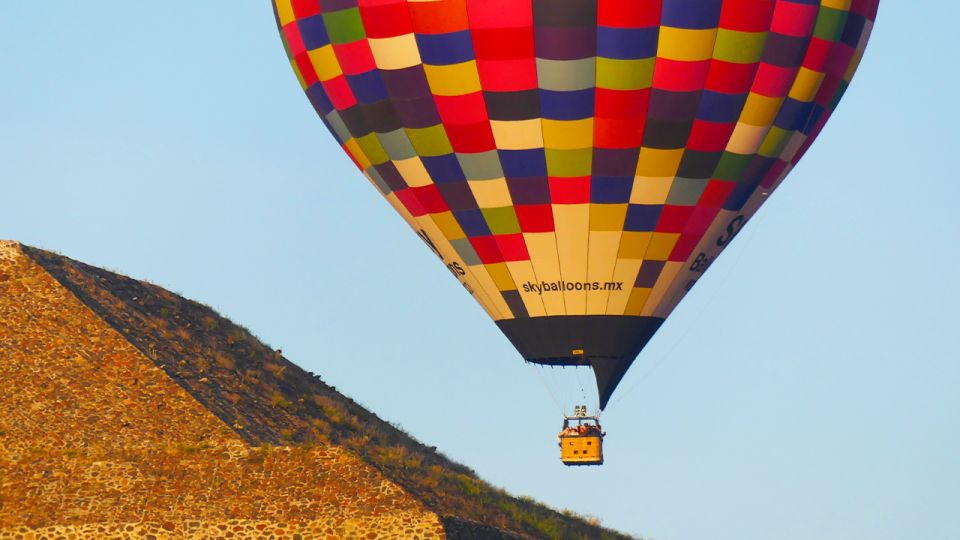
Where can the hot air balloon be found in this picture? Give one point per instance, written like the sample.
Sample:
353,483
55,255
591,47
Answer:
576,164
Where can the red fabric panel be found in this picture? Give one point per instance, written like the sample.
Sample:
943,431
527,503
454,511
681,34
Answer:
797,20
710,136
747,15
508,75
499,13
678,76
503,43
305,8
306,68
618,132
355,58
773,81
730,77
570,190
410,202
338,90
629,13
535,218
715,194
386,20
673,218
439,16
684,247
430,198
487,249
471,138
512,247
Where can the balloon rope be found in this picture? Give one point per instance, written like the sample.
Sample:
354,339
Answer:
546,387
751,235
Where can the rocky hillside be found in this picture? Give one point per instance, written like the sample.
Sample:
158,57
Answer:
128,410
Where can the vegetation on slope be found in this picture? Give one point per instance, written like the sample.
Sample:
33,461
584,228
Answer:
270,401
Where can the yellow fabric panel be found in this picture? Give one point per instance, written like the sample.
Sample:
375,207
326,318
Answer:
656,163
413,171
633,245
522,272
843,5
568,134
546,263
353,147
607,217
760,110
650,190
602,260
806,84
746,139
638,298
396,52
661,244
571,222
491,193
685,44
626,271
447,223
325,62
517,135
501,276
454,79
667,275
285,12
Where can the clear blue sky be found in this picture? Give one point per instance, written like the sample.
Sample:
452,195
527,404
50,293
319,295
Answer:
807,388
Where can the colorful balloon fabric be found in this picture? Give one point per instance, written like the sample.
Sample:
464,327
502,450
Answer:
576,164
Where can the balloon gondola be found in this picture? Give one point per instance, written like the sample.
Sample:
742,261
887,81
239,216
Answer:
581,439
576,165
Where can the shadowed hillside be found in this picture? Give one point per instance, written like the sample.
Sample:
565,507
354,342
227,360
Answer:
277,437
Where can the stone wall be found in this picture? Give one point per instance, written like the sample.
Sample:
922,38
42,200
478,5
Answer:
96,441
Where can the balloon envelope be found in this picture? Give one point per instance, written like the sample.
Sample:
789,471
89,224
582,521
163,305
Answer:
576,164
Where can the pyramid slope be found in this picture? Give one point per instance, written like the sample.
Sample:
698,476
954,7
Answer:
264,400
97,441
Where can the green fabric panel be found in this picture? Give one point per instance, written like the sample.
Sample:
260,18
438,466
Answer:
830,24
569,163
739,47
616,74
501,220
344,26
775,142
430,141
373,149
731,166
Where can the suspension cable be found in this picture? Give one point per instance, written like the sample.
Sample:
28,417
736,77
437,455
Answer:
692,324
